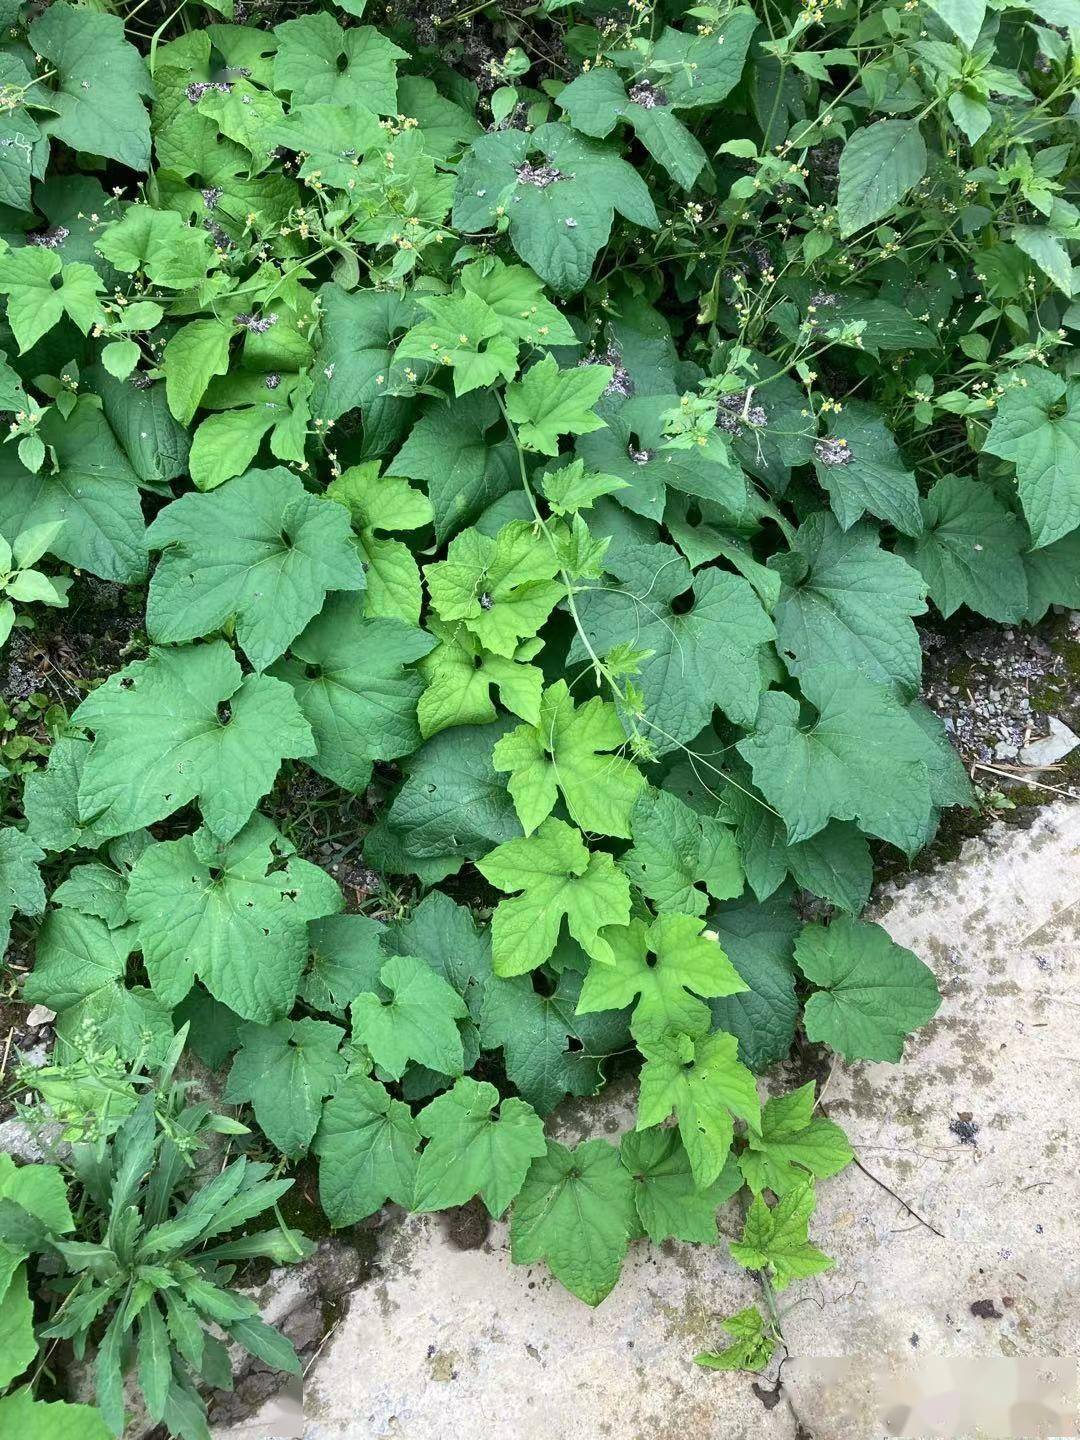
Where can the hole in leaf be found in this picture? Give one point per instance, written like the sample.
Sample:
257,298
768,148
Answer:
684,603
573,1044
650,961
542,984
215,872
342,63
313,672
224,713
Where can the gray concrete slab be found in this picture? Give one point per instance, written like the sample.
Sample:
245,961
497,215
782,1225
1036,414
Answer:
969,1196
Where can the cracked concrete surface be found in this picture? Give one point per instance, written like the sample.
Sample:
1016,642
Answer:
965,1243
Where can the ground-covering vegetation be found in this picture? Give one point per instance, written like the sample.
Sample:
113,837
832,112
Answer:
511,445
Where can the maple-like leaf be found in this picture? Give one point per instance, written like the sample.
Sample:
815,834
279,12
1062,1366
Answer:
775,1239
471,1151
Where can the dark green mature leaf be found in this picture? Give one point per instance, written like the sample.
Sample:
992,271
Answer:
99,79
351,681
865,758
550,1051
751,1348
354,363
320,63
576,1211
1037,427
416,1023
286,1070
759,940
186,723
846,601
861,468
463,470
260,553
93,491
367,1148
703,654
234,914
558,221
448,938
970,551
880,164
872,992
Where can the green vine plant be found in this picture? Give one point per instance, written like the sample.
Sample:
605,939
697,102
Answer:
533,432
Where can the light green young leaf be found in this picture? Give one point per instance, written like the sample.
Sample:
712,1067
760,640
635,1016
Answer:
351,681
417,1023
670,1205
331,139
259,552
558,878
698,1076
196,353
658,964
35,304
676,851
30,1419
286,1070
571,488
576,1211
871,993
566,751
186,723
775,1240
460,673
235,915
517,297
461,331
366,1144
792,1142
18,1344
471,1151
158,243
378,504
751,1348
501,587
548,403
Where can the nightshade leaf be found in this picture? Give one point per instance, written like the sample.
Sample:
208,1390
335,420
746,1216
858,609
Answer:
658,965
851,606
865,758
576,1211
366,1144
775,1239
80,972
549,1050
558,878
567,752
871,993
235,915
879,165
471,1151
1037,427
669,1203
351,681
416,1023
286,1070
970,551
696,1075
792,1143
259,552
185,724
701,654
676,851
